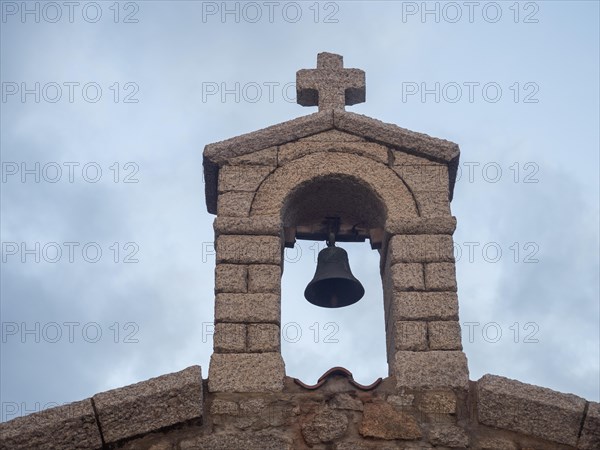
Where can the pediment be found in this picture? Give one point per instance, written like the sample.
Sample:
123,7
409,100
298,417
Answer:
335,126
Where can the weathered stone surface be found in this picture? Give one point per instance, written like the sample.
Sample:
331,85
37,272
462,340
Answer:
420,248
346,401
266,157
333,136
70,426
448,435
401,401
491,443
295,150
440,277
344,170
431,370
249,249
264,278
258,307
230,278
150,405
325,426
242,178
382,421
263,337
229,338
246,372
424,306
445,335
433,204
407,277
532,410
590,433
261,440
401,158
443,402
421,225
224,407
401,138
410,335
256,225
234,204
425,177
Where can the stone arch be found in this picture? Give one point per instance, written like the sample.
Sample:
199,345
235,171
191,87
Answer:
384,183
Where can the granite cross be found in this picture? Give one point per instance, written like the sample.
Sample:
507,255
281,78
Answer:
330,86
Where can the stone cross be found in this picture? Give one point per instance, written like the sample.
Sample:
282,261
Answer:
330,86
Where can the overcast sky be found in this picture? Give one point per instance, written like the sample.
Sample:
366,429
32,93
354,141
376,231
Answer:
106,109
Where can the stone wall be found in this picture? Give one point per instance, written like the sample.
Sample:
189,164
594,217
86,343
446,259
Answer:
174,412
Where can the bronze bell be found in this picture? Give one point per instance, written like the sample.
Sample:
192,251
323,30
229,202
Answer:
333,285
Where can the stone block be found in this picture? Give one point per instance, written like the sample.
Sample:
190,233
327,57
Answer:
433,203
249,249
425,177
248,308
70,426
382,421
346,401
444,335
246,440
266,157
438,402
230,278
440,277
421,225
324,427
263,337
401,138
295,150
410,335
424,306
492,443
264,278
448,435
532,410
590,432
225,407
229,338
246,372
242,178
255,225
150,405
431,370
234,204
333,136
401,158
407,277
420,248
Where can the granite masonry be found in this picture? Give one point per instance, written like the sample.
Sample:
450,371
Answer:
387,185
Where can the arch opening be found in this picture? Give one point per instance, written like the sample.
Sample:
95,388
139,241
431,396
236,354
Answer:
315,339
